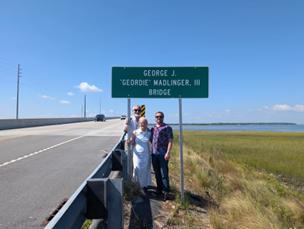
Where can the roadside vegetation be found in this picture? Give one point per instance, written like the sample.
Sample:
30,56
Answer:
245,179
87,224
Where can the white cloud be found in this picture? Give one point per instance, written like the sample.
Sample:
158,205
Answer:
227,110
70,93
299,108
14,98
281,108
111,111
173,115
46,97
286,108
65,102
84,86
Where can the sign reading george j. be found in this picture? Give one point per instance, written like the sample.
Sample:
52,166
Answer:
160,82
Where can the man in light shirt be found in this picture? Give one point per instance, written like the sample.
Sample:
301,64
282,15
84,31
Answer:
134,120
133,126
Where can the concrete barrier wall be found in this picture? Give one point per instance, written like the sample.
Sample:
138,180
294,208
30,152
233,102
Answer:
22,123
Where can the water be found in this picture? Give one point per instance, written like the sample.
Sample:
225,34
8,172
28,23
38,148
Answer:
270,128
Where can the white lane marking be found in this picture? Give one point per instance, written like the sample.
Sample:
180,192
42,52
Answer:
51,147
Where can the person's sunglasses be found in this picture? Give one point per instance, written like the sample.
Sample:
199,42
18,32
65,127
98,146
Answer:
136,110
159,116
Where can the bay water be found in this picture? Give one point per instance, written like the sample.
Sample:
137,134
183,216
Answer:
267,128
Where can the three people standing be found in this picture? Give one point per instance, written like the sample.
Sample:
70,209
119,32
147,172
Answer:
161,137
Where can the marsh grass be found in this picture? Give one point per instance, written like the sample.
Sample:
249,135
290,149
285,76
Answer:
237,173
280,153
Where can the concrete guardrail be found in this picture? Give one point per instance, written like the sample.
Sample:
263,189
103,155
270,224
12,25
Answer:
22,123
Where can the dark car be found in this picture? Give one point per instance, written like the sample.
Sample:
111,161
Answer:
100,117
123,117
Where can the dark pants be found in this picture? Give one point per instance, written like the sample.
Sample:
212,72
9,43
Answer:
160,166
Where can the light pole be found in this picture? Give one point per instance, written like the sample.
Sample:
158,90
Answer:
18,76
84,111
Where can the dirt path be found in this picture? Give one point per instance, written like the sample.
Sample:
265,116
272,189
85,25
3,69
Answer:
154,212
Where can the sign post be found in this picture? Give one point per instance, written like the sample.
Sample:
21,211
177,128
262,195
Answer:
161,83
129,162
181,150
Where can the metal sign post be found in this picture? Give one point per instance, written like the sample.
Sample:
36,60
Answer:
129,149
181,151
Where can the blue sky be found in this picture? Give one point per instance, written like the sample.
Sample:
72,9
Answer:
254,50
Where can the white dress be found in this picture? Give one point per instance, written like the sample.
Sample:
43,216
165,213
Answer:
141,158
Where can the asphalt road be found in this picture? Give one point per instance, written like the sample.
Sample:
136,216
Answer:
41,166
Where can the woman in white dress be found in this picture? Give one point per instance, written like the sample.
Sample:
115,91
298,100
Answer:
141,155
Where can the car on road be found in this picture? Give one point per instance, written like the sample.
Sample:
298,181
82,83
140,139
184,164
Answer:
123,117
100,117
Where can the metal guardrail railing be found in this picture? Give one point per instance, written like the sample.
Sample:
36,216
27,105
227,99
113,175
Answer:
75,211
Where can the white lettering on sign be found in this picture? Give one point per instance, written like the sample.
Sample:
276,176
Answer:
180,82
131,82
197,82
160,92
155,72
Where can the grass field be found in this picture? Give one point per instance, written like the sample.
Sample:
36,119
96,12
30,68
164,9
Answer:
241,174
280,153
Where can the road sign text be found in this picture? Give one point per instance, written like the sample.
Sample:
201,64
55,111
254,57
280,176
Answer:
160,82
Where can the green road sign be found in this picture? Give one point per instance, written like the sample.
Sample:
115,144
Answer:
160,82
